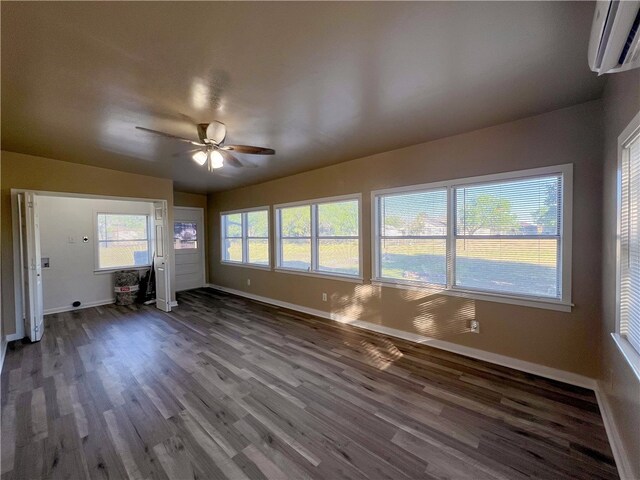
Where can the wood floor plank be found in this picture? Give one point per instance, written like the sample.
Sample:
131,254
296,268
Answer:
227,388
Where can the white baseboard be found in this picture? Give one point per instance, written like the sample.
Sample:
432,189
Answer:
69,308
14,336
174,303
625,469
503,360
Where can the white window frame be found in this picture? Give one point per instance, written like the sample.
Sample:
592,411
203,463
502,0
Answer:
149,239
628,351
244,238
564,261
314,239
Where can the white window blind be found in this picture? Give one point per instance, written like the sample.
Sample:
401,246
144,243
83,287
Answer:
630,245
245,237
320,237
508,236
412,235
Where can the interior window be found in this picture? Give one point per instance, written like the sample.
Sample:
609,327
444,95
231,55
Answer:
123,241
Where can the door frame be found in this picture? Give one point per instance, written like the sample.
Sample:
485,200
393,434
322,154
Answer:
15,231
200,211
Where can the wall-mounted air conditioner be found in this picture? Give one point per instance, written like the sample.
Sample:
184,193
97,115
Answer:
615,36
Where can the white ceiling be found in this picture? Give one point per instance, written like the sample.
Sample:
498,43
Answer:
321,82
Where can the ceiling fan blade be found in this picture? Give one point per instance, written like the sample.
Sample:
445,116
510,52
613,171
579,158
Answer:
249,149
234,162
168,135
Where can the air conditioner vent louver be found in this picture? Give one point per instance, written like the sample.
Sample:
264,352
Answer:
632,36
615,36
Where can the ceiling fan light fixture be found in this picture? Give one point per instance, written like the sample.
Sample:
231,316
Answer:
216,159
200,157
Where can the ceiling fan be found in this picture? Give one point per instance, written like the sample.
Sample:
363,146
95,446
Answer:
211,149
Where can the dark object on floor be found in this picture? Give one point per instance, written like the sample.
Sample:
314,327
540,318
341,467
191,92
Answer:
126,285
147,290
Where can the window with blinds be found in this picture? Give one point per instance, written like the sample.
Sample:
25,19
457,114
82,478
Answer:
507,236
413,236
501,235
629,323
245,237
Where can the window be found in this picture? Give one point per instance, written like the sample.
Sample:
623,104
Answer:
413,236
507,236
245,237
185,235
322,236
628,323
123,241
497,235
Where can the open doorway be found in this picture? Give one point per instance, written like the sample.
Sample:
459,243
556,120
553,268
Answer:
68,247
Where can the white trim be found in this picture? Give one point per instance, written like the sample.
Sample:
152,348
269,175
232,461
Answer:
534,302
173,303
628,352
522,365
565,238
69,308
625,470
331,276
244,237
14,336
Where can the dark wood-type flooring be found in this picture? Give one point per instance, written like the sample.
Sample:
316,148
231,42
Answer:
223,387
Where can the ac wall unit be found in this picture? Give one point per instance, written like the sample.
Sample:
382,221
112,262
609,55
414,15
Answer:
615,36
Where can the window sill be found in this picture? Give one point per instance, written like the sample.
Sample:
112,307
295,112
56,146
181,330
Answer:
246,265
117,269
535,302
628,352
328,276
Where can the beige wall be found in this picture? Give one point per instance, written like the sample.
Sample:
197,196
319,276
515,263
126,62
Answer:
196,200
38,173
621,103
567,341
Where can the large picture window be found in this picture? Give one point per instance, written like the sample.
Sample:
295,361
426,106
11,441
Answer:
501,235
245,237
320,236
507,236
123,241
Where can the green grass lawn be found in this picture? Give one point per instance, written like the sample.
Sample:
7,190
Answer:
119,254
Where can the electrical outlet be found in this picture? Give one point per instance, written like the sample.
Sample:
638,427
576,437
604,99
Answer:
474,326
248,282
324,297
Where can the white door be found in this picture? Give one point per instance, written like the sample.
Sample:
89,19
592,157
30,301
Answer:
161,257
31,265
188,247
